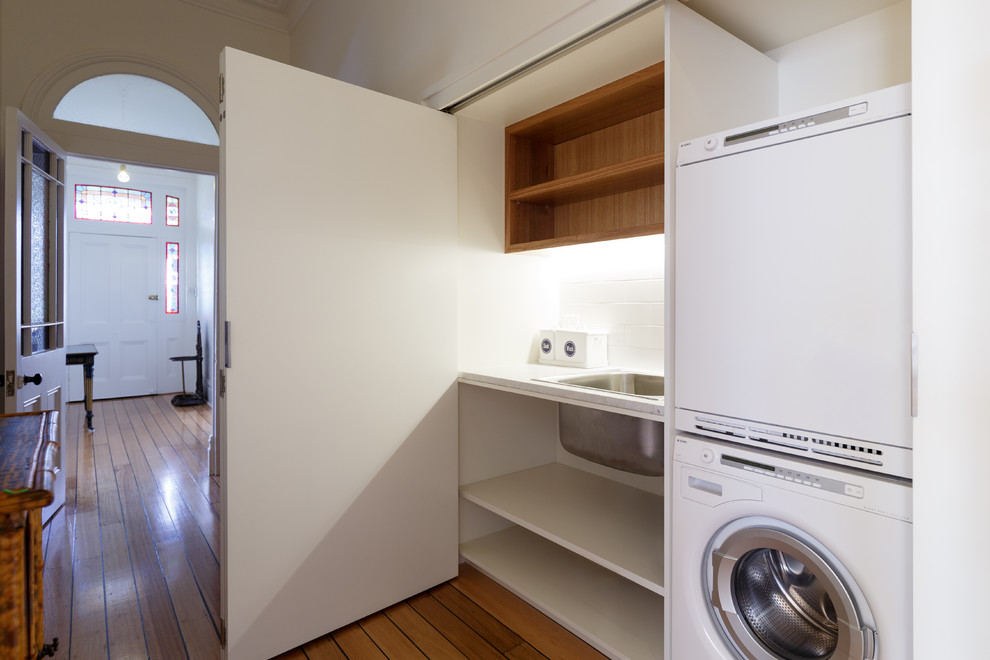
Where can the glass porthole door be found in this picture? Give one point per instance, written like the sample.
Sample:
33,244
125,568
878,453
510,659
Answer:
777,596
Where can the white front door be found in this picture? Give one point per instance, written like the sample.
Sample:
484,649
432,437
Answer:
115,286
338,427
34,277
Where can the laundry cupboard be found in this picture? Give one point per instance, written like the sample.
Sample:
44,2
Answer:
585,543
396,285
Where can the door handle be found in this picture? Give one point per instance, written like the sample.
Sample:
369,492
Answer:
153,296
35,379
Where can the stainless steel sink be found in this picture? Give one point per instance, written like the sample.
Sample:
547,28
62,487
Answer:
619,381
618,441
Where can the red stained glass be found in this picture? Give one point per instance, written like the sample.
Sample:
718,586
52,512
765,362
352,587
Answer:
171,278
171,211
113,204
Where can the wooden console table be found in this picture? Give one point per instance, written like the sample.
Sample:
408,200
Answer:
85,355
28,446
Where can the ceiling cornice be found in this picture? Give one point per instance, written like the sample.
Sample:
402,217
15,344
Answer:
278,15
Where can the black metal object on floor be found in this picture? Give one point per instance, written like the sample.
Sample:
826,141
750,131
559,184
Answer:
199,396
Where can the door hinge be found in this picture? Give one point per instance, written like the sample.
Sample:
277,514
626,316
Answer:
9,383
222,388
223,634
222,109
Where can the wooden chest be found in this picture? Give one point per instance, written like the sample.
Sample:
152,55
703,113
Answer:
28,447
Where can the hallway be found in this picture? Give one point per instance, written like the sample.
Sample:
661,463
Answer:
132,561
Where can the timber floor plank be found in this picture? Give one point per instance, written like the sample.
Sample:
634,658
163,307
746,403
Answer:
355,643
322,648
422,633
550,639
132,565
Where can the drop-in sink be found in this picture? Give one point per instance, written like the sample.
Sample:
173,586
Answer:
620,382
623,442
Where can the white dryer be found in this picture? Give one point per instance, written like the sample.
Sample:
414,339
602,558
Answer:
779,558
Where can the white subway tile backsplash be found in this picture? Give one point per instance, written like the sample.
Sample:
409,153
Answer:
642,290
645,336
618,287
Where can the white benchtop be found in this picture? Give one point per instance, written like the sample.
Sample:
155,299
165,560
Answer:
521,380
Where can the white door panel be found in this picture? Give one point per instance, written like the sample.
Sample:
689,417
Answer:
34,278
337,250
111,279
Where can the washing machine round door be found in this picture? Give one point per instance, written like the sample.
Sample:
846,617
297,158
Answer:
780,595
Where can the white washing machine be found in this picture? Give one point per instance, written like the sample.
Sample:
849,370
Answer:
778,558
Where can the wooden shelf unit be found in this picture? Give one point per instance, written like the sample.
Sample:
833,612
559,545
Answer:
589,169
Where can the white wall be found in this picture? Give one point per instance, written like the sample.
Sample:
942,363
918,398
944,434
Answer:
503,299
37,37
206,223
951,141
860,56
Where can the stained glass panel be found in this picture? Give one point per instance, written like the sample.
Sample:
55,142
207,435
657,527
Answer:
113,204
171,278
171,211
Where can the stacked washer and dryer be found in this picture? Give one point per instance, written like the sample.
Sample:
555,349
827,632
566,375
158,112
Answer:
795,388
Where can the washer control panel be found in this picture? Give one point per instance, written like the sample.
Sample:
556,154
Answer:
793,476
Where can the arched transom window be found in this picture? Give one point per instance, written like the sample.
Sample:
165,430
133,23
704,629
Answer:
138,104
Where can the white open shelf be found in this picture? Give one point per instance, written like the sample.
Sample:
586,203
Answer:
611,524
621,619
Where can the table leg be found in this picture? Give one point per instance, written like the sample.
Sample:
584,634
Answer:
88,390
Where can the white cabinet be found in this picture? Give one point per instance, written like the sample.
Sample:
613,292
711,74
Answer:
587,549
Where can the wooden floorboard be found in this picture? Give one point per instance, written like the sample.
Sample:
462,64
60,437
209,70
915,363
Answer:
132,566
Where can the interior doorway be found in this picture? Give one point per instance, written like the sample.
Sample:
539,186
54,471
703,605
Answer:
141,274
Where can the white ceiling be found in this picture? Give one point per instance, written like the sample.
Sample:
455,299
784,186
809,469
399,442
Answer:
763,24
769,24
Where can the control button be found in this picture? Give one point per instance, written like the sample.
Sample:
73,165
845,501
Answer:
811,122
806,483
801,125
789,478
854,491
711,144
857,109
780,476
707,455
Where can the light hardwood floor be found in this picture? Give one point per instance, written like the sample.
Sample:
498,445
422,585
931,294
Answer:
132,561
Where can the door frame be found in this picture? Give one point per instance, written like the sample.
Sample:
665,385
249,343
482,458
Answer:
189,238
48,363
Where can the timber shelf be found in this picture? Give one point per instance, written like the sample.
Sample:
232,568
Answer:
589,169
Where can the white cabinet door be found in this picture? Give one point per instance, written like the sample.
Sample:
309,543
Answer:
338,424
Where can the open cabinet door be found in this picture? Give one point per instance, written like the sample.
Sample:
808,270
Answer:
33,293
338,418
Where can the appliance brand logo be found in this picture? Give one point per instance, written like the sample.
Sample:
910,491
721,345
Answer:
546,346
570,349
